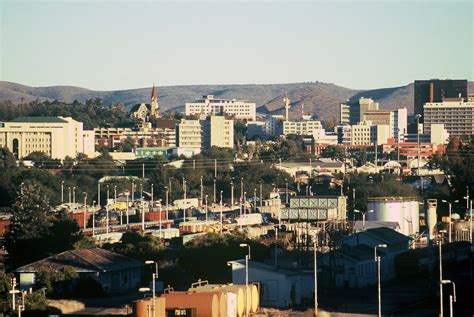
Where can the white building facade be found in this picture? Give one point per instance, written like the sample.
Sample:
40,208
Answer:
58,137
208,105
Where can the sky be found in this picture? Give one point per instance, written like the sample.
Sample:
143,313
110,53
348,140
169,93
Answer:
107,45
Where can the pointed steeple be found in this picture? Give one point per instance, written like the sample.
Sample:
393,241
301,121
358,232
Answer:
153,93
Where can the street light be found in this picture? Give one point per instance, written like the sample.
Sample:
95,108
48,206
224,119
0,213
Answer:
449,203
442,232
62,192
207,208
85,203
154,277
127,193
452,298
363,216
379,291
315,277
221,214
247,258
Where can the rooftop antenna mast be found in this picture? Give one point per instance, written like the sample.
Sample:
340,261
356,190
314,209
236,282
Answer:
287,106
302,110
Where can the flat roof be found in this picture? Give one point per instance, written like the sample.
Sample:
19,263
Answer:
39,120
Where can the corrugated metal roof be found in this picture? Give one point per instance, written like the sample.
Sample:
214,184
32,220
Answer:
83,260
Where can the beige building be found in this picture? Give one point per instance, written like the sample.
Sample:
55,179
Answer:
208,105
218,131
189,134
57,137
366,133
353,113
456,115
305,126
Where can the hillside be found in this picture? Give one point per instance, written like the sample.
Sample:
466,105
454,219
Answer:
321,99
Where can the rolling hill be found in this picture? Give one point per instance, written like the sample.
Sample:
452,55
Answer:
320,99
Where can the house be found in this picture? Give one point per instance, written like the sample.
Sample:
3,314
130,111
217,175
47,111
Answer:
114,272
279,288
350,263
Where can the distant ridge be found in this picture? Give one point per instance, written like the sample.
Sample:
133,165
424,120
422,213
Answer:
321,99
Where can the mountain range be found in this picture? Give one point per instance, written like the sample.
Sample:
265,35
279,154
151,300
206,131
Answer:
319,99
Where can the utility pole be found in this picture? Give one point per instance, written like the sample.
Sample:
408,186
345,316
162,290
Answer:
261,196
315,247
202,192
215,198
143,171
215,168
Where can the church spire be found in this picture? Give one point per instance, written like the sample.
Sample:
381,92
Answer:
153,93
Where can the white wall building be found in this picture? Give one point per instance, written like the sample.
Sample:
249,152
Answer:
218,131
189,134
57,137
365,133
208,105
301,127
456,115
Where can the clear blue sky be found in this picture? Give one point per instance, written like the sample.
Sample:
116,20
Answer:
120,45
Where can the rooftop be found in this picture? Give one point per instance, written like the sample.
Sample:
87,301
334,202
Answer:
39,120
387,235
82,261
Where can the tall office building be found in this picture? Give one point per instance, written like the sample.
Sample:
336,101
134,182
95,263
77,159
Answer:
456,115
353,113
435,90
217,131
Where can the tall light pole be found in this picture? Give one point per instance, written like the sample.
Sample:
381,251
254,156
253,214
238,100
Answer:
379,291
221,214
202,192
240,213
215,199
74,197
255,199
69,194
232,193
85,204
261,196
418,116
286,192
143,215
115,196
441,238
452,298
126,210
154,277
450,225
242,187
98,195
363,216
93,218
247,258
184,196
152,185
167,201
315,277
62,192
207,208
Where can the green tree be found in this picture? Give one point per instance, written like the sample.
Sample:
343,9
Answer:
30,221
57,282
8,169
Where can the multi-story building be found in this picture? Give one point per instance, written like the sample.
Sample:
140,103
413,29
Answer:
456,115
208,105
305,126
435,90
217,131
189,134
164,135
57,137
365,133
353,113
344,134
400,124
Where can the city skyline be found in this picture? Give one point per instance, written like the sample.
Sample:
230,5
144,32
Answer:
357,45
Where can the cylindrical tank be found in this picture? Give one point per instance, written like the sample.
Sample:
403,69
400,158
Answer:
142,307
254,298
206,304
402,210
221,294
239,290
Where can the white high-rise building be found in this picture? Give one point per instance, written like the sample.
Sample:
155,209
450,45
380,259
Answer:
208,105
189,134
365,133
456,115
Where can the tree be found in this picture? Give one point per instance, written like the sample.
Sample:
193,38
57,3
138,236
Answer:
30,221
43,160
56,282
8,168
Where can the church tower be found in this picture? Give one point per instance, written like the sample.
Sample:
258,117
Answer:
155,109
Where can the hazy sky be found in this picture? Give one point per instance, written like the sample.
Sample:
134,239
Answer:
120,45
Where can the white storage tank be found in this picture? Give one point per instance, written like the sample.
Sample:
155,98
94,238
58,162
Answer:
403,210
